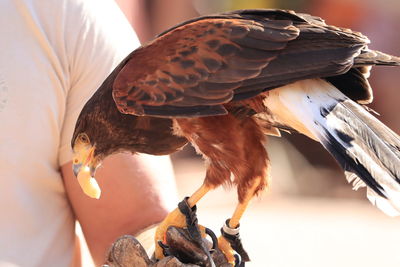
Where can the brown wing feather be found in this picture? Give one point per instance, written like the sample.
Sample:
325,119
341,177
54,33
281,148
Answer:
200,63
198,66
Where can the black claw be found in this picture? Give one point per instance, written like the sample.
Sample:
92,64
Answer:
165,248
213,238
238,261
236,243
193,227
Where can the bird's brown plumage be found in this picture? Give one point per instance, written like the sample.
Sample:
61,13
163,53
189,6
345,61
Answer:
111,131
208,76
193,69
230,145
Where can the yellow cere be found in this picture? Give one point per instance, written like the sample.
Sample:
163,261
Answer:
88,184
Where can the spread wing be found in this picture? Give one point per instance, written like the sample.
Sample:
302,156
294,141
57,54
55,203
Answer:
196,67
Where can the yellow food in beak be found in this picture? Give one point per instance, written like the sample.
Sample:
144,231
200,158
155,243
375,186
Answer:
84,165
88,184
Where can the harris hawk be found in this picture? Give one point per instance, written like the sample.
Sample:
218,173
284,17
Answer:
222,82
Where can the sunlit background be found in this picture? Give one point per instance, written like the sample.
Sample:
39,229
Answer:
310,216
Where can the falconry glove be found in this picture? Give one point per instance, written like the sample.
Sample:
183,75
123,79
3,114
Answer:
182,251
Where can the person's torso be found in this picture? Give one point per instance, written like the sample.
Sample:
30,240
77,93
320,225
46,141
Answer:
34,209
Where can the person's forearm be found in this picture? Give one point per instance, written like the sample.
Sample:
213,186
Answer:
134,196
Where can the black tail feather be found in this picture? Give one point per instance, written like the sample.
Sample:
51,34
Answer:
365,147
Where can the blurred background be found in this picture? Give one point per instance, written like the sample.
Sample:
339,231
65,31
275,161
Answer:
310,216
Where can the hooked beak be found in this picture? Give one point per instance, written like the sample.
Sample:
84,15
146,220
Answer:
83,159
76,168
84,167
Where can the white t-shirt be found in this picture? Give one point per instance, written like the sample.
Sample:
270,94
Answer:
54,55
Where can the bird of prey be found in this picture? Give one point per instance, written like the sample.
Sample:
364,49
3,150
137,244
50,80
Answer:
222,82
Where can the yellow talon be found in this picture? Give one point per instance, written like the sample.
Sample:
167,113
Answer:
226,248
174,218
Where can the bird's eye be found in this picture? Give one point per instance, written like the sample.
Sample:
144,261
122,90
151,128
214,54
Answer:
83,138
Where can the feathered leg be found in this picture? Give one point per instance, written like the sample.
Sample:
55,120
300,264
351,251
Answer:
251,179
235,148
